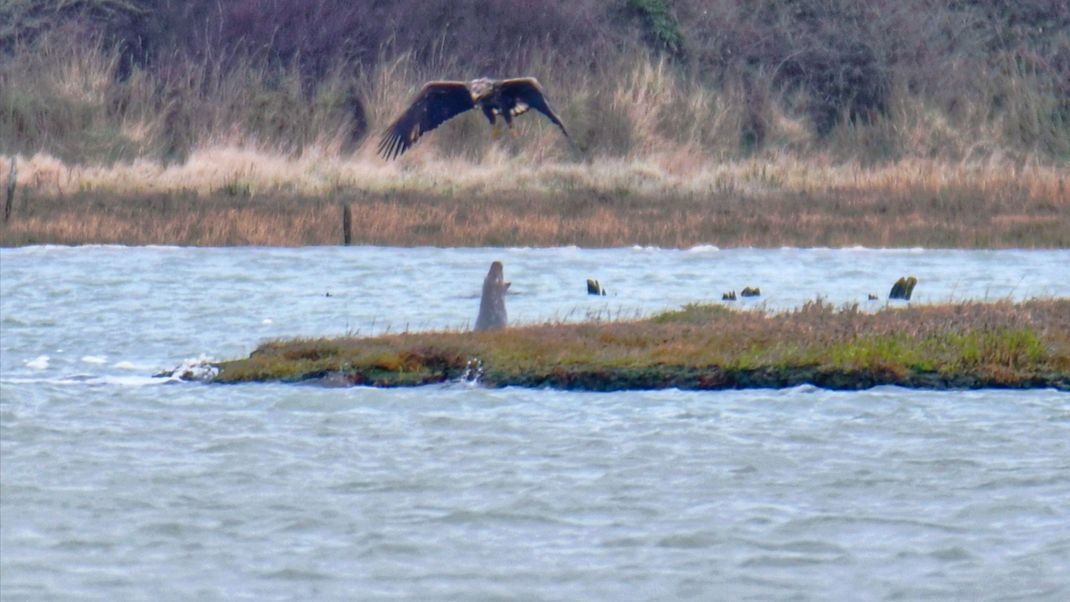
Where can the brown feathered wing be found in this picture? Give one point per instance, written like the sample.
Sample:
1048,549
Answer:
436,102
528,94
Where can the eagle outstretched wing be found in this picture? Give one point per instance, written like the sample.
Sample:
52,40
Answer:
528,94
436,102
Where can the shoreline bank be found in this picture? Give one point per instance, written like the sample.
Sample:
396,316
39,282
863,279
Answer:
229,197
536,219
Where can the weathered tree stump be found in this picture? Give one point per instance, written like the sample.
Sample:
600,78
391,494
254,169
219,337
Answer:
593,288
492,315
903,288
750,292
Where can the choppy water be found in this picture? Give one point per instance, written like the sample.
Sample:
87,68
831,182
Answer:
115,485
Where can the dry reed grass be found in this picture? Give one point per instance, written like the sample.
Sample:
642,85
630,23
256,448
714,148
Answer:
317,172
252,154
61,94
234,197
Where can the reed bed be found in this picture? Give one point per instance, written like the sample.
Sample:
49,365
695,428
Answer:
706,347
230,197
671,148
249,172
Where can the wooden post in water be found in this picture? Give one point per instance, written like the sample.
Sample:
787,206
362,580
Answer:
347,224
12,181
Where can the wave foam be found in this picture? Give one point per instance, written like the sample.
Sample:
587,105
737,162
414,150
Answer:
38,363
704,249
196,369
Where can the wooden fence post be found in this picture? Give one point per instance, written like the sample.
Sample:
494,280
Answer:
12,181
347,224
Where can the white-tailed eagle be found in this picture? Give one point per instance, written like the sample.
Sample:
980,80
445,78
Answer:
439,101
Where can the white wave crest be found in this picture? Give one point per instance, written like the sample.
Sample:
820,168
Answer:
196,369
38,363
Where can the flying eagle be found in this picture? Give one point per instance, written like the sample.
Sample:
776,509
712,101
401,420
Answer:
442,100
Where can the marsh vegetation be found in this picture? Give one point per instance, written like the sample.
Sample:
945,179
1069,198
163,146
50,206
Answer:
751,203
791,123
963,345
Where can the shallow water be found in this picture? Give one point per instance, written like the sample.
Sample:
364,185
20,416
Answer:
115,485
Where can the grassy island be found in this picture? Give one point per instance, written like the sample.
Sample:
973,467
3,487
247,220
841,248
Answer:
963,345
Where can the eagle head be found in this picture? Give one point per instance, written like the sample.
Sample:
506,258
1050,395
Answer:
480,88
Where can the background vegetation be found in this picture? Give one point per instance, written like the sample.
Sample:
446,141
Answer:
740,205
680,82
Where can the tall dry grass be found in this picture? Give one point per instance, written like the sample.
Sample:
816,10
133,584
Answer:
243,151
69,94
602,205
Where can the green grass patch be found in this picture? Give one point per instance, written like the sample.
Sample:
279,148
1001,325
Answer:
963,345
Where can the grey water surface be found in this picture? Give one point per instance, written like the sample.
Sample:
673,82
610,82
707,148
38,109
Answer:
115,485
